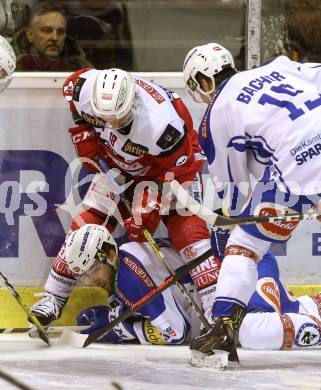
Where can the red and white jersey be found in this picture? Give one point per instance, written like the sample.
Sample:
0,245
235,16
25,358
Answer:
159,139
267,116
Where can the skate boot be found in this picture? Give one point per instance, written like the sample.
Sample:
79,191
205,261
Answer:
216,347
49,308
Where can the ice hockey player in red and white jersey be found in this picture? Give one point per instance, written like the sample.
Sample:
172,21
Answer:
7,63
146,132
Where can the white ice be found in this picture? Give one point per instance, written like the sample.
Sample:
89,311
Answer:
149,367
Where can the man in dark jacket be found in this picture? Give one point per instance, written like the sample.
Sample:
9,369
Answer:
44,46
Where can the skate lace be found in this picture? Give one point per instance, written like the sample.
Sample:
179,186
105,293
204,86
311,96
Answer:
50,304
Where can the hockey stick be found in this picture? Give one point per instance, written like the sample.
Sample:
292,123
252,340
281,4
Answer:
14,381
49,330
156,249
31,317
218,220
183,271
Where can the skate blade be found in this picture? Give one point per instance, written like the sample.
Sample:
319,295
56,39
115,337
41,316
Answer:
217,361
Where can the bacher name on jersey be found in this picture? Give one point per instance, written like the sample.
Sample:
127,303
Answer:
270,114
157,136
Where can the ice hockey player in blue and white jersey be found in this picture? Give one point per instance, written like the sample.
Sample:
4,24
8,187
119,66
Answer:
267,116
276,319
131,273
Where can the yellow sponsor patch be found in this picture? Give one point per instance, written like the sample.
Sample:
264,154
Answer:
152,334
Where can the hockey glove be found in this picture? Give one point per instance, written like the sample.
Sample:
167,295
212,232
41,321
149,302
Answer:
49,308
99,316
145,215
87,143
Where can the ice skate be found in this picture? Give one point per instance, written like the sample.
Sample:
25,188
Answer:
217,346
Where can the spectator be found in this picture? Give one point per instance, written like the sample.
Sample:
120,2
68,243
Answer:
44,46
102,29
303,32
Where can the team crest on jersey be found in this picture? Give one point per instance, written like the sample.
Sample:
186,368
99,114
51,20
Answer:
308,335
279,230
169,137
134,149
92,120
269,292
77,88
167,331
68,91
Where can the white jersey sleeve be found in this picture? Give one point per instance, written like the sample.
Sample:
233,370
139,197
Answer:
272,113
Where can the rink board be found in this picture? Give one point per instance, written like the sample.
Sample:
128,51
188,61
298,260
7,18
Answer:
11,315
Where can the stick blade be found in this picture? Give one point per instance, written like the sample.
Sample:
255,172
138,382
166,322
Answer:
74,339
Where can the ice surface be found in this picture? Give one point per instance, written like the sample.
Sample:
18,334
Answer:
150,367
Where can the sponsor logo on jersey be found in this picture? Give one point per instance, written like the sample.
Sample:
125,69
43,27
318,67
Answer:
167,331
92,120
139,271
169,137
308,335
269,292
123,298
307,150
151,333
60,265
151,90
77,88
205,274
134,149
62,279
279,230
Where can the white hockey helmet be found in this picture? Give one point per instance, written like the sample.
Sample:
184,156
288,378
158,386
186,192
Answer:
7,62
113,96
84,247
209,59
